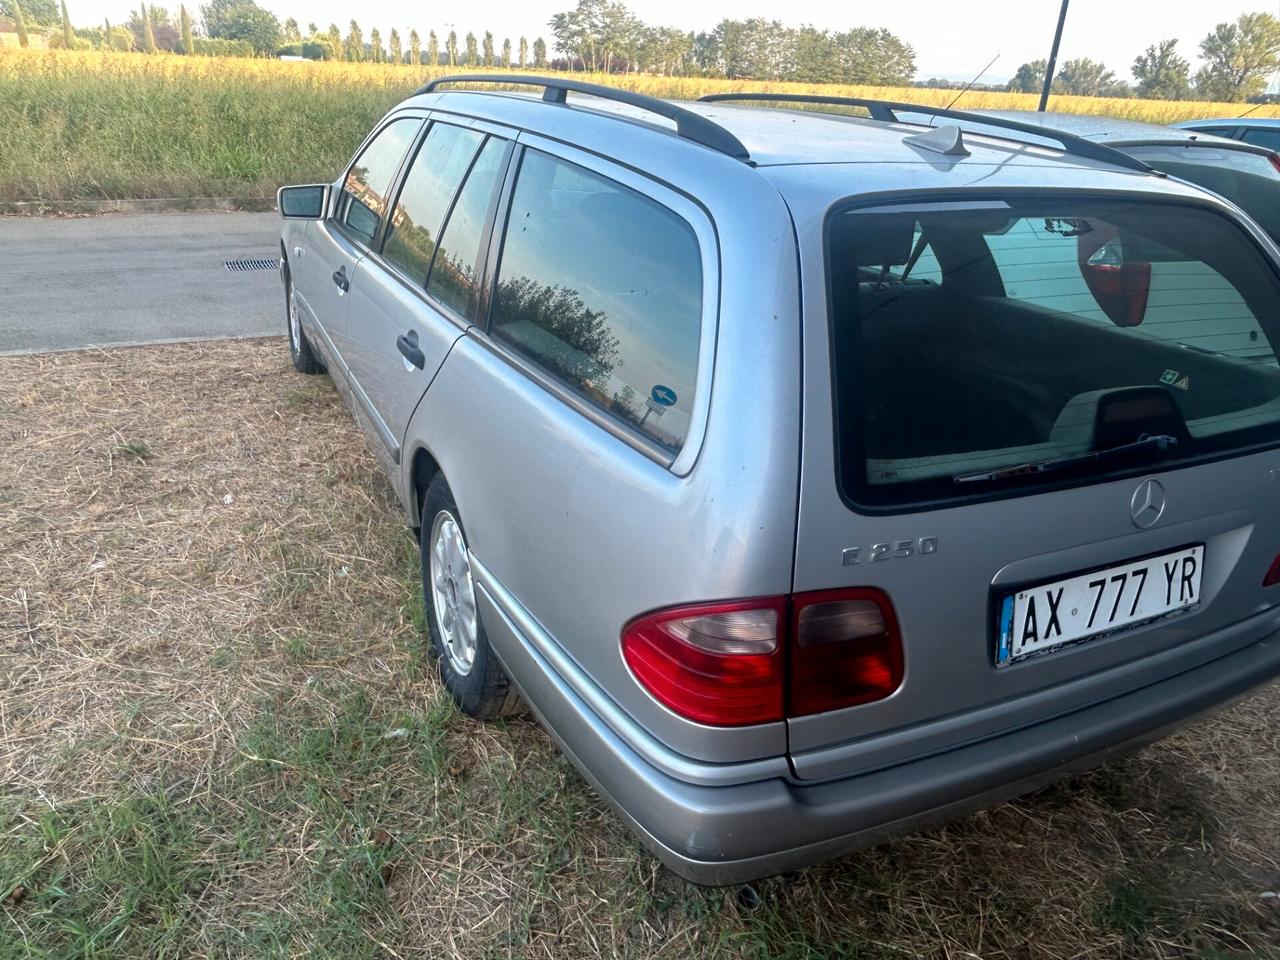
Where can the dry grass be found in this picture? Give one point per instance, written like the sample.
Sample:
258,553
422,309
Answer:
218,736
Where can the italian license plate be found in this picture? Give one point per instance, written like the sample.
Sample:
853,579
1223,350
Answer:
1041,618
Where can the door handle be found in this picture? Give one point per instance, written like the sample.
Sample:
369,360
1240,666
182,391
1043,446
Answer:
408,347
340,278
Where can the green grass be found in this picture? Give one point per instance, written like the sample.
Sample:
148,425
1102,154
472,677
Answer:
376,792
107,879
134,449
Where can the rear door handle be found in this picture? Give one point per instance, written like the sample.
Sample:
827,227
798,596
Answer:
407,344
340,278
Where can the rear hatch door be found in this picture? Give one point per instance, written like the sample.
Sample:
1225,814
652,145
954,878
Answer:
1010,400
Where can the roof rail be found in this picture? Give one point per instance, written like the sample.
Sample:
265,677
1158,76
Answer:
887,111
689,125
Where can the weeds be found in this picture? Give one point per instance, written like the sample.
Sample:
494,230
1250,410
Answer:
135,450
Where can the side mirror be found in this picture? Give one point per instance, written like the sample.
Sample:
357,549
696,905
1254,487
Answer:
308,202
1120,286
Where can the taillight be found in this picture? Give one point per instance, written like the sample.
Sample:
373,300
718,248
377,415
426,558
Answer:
1273,574
845,649
717,663
756,661
1275,161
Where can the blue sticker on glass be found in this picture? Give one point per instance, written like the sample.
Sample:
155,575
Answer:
1006,631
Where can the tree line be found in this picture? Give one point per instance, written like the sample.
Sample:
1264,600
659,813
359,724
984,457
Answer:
1237,58
597,35
604,35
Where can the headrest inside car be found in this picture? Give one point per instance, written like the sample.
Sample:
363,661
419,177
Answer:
880,240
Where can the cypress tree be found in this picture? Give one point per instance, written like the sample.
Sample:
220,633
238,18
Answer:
148,36
355,43
524,52
68,35
184,21
20,24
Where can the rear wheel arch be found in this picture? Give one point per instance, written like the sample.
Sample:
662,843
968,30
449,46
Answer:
422,470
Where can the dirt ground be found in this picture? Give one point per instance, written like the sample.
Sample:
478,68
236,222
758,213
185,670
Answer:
220,736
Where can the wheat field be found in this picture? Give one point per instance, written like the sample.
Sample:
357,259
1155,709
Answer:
94,125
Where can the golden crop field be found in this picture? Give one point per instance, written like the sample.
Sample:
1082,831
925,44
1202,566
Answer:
92,125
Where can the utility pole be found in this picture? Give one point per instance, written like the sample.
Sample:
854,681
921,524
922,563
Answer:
1053,58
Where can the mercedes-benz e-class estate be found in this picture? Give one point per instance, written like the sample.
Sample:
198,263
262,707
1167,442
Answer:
811,476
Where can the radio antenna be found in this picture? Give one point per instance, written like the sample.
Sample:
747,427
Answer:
972,82
1264,102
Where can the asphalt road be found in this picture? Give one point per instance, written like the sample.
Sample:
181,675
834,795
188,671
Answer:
136,278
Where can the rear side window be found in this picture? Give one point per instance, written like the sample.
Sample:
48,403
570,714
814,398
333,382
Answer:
1227,132
1262,137
429,186
365,191
454,271
1063,341
1247,179
602,287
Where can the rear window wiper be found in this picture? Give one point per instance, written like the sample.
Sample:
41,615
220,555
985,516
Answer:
1160,443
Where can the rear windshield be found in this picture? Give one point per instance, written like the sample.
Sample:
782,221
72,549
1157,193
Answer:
1005,345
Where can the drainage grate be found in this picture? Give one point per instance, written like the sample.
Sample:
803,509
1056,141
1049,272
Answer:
239,266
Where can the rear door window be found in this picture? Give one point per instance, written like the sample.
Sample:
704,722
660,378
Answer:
601,287
1061,338
429,188
453,273
364,194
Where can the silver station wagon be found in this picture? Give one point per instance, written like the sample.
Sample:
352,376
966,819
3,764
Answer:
812,476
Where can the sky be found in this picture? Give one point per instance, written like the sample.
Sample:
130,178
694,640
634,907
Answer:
952,39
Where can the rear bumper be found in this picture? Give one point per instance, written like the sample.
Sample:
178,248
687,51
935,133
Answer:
738,832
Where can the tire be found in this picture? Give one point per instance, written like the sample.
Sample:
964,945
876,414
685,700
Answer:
304,358
468,667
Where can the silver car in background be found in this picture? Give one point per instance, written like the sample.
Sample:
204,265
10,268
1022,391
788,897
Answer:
812,477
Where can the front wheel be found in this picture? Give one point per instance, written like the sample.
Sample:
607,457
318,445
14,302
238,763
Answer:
304,359
468,667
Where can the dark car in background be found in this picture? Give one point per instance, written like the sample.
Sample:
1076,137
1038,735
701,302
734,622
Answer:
1260,131
1244,171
